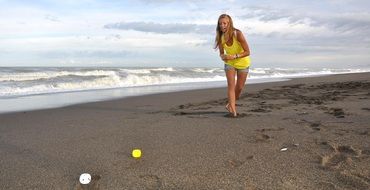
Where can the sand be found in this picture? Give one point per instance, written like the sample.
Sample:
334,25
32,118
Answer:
322,123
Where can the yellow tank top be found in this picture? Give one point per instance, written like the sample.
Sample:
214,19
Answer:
235,48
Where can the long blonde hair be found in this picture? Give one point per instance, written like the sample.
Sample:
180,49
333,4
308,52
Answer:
229,33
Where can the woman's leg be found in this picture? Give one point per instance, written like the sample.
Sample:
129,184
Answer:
240,83
230,75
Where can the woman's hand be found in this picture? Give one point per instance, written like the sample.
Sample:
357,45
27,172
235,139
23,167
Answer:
227,57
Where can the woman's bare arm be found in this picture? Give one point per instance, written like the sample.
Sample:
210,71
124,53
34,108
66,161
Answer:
243,43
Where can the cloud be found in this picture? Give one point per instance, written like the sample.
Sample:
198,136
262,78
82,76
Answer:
177,28
52,18
348,28
354,22
166,1
85,54
267,14
343,22
197,42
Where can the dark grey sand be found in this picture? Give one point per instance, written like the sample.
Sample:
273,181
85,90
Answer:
187,143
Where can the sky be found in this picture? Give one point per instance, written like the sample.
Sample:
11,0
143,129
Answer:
168,33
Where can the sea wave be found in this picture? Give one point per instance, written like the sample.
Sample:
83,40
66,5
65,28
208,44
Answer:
30,81
17,84
31,76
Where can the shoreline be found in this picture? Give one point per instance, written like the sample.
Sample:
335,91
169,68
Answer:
101,95
187,142
46,100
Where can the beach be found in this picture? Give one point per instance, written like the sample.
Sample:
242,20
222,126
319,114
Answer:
305,133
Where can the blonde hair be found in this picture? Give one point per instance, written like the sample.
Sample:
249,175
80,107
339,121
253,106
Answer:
229,33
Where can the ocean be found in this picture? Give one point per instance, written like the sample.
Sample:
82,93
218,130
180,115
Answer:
30,88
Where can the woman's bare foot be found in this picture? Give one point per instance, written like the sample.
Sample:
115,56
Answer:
234,114
229,109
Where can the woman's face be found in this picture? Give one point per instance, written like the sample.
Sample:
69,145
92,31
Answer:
224,24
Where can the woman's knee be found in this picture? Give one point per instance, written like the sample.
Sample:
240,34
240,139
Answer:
239,87
231,84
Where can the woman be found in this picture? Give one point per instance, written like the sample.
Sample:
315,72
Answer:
234,51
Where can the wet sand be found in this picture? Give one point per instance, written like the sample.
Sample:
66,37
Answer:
322,123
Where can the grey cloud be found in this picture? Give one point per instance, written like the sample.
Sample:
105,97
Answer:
354,22
177,28
350,29
268,14
343,23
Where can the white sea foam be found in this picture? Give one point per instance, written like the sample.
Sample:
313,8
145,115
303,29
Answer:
26,76
164,69
29,81
207,70
91,80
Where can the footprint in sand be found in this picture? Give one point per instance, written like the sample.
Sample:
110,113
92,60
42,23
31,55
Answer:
348,150
261,110
342,159
198,116
342,155
363,132
353,180
262,138
337,112
314,125
366,109
185,106
366,152
235,163
326,186
293,86
270,129
334,160
151,181
203,108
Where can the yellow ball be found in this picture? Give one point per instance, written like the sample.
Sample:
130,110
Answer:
136,153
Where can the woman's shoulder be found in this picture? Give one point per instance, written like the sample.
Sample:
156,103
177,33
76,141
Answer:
237,32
